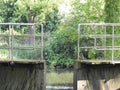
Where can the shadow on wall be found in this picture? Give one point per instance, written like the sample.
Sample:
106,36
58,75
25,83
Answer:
97,77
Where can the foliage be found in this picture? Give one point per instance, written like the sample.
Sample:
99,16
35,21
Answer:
7,10
52,20
61,50
32,10
91,11
112,11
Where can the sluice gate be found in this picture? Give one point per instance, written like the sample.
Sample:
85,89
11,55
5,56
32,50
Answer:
22,75
98,64
97,76
21,57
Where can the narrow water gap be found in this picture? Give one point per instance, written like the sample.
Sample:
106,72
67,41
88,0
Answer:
59,79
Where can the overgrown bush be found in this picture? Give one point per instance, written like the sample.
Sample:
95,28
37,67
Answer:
61,51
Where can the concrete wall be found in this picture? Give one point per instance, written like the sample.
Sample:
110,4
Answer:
22,76
96,77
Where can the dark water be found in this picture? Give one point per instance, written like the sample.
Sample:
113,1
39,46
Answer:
59,88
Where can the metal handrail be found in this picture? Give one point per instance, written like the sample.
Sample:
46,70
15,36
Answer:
26,24
11,35
95,36
101,24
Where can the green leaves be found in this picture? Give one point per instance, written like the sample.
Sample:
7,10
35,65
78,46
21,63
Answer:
92,54
91,11
112,11
62,47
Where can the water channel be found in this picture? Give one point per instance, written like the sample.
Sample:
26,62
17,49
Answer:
59,88
59,80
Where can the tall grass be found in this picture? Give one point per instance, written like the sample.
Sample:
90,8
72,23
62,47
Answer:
59,78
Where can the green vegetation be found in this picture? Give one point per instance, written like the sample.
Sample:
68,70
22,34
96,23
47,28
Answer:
112,15
60,32
59,78
112,11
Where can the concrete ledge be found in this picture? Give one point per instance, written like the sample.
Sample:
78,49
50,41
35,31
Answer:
95,62
93,75
22,75
21,61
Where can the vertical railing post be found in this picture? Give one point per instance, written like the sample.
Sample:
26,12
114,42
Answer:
42,43
105,41
33,35
10,42
112,43
78,41
95,41
12,28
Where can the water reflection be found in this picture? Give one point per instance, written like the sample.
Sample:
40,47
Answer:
58,88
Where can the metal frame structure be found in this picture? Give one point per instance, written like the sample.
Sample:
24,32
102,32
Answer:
11,35
94,35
